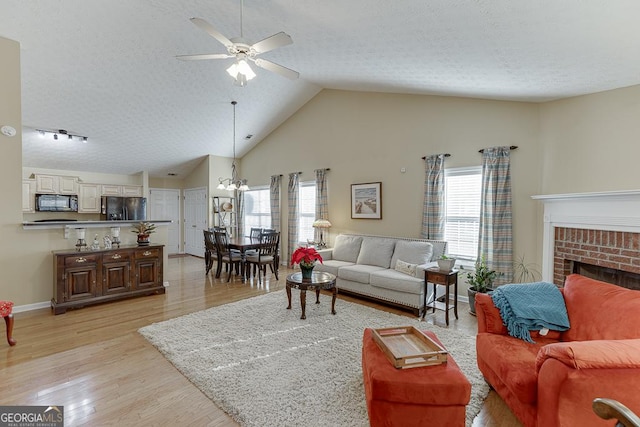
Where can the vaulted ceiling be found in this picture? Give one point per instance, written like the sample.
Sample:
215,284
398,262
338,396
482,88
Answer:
107,69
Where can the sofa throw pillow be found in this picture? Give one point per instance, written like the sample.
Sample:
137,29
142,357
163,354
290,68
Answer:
376,251
346,248
406,268
412,251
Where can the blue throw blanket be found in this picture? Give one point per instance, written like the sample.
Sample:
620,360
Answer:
531,306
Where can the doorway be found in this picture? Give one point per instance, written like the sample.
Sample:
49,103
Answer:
195,220
165,204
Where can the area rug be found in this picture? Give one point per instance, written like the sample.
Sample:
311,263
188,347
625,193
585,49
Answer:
265,367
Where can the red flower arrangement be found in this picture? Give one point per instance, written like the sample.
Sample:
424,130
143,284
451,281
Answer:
305,256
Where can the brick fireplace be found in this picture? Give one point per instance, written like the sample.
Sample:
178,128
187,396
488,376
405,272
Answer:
594,234
576,249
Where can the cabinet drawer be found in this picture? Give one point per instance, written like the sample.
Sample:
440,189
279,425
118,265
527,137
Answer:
80,259
147,253
117,256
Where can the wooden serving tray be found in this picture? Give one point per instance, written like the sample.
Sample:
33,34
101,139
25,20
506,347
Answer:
408,347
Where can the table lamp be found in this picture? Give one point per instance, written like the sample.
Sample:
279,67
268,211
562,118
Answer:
321,224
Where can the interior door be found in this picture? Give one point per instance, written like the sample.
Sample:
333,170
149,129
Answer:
195,220
165,204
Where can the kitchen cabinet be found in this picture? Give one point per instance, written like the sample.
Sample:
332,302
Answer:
93,277
111,190
28,195
89,198
55,184
132,190
122,190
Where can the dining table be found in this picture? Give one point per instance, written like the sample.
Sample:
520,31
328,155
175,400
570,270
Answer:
243,244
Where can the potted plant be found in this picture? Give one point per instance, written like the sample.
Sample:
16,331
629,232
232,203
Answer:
445,263
480,281
143,230
307,258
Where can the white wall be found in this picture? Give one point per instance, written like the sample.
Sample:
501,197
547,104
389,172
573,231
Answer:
591,143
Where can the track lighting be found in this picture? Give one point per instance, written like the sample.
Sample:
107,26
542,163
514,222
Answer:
55,134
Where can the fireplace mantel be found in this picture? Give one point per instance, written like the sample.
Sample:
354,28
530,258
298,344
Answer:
610,211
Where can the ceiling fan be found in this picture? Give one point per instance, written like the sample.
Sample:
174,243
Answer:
243,50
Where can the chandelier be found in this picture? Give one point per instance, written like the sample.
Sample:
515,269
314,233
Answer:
234,183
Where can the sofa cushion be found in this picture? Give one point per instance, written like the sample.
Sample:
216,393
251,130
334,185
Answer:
413,252
376,251
358,273
332,266
394,280
518,370
346,248
597,310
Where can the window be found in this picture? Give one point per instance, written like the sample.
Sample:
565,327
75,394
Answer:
462,211
257,209
307,211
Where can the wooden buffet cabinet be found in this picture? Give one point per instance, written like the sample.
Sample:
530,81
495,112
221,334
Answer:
93,277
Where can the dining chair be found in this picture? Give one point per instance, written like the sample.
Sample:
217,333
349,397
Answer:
226,256
209,250
267,254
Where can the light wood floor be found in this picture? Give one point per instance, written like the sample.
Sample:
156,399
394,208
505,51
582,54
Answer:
94,363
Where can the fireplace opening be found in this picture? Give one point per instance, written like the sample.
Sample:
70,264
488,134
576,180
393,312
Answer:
625,279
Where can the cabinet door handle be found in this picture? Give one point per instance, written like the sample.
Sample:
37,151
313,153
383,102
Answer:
146,253
116,256
81,259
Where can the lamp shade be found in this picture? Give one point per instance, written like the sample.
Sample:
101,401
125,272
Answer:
321,223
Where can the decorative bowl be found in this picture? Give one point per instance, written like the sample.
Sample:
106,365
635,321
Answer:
227,207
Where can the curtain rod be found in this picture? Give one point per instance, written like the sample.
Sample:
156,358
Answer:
446,155
513,147
322,169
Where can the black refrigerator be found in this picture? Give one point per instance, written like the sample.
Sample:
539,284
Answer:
124,208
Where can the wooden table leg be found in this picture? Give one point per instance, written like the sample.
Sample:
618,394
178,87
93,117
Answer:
317,296
333,300
455,298
446,305
289,296
303,303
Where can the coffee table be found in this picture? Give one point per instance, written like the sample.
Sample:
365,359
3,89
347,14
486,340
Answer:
318,281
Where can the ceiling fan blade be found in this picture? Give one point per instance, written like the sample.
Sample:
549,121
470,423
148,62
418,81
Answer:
204,25
204,56
273,42
272,66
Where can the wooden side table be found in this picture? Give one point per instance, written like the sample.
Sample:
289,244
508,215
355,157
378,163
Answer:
436,277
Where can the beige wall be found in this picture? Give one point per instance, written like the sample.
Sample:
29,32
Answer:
590,143
368,137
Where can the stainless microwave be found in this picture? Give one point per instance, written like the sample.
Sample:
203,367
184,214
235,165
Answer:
56,203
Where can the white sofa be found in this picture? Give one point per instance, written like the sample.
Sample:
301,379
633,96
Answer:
366,265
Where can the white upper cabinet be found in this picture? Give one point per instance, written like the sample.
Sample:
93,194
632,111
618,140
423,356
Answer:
54,184
28,195
89,198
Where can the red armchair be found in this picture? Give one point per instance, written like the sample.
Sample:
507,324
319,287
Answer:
6,308
554,381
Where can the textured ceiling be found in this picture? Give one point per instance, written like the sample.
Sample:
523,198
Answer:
107,69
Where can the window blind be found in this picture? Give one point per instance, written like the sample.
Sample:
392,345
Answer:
462,211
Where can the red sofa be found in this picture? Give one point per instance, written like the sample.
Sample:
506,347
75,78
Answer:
554,381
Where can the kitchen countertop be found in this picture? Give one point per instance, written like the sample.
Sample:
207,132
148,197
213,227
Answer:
87,224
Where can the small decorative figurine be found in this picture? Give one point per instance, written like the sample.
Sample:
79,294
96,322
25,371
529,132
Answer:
96,244
107,242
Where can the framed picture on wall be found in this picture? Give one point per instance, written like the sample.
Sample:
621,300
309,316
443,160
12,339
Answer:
366,200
